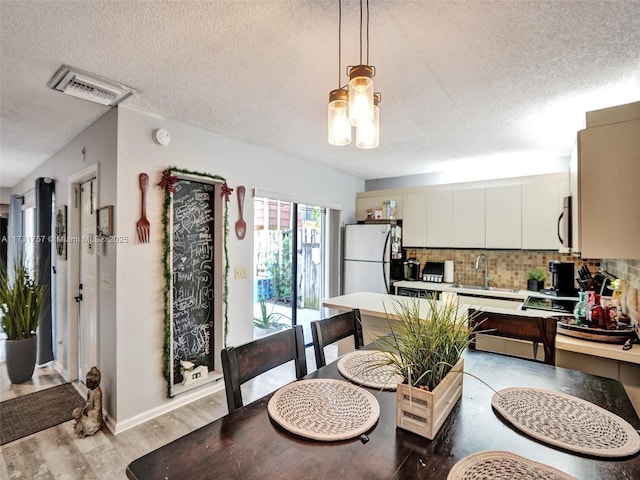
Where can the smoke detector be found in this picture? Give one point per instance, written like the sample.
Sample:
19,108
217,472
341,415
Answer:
89,86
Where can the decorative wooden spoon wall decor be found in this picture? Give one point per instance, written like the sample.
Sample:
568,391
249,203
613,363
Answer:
241,225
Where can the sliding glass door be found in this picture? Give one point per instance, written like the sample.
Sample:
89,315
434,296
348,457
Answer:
288,265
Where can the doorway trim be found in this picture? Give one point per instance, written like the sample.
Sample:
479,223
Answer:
73,260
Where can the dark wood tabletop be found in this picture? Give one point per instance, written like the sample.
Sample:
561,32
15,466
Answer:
246,444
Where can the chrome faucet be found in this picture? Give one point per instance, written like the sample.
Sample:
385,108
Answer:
487,278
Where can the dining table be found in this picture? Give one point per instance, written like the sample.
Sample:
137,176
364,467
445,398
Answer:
248,444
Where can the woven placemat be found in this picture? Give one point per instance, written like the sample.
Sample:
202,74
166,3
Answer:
499,465
367,368
567,422
324,409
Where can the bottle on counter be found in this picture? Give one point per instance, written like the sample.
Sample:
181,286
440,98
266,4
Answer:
598,314
580,311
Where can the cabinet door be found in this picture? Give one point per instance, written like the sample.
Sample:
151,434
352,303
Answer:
414,219
440,218
608,174
469,218
541,207
503,217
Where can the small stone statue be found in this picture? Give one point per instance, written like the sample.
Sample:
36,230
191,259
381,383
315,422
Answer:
89,419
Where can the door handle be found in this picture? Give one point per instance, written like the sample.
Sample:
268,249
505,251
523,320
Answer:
78,299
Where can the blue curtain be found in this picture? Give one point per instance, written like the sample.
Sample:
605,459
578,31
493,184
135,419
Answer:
44,208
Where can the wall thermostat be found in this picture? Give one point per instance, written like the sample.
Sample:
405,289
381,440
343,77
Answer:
161,136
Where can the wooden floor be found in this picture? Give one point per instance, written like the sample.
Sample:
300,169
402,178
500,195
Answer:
56,453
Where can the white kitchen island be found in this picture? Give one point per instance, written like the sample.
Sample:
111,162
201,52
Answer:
608,360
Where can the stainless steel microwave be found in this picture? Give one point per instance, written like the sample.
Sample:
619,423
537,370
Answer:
564,223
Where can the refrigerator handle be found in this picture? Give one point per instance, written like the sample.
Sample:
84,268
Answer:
384,272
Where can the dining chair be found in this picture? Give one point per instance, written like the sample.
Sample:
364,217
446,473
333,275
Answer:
329,330
533,329
244,362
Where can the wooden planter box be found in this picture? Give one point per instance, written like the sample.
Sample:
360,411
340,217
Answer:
423,412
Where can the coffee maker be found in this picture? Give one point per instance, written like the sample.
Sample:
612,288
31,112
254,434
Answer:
562,279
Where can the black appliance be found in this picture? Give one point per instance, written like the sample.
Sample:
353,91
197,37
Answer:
433,272
562,306
562,279
412,269
564,223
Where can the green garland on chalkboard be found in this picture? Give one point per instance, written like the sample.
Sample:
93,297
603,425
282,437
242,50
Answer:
167,183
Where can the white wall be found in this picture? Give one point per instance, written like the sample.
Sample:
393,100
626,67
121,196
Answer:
99,140
140,385
130,309
476,169
5,193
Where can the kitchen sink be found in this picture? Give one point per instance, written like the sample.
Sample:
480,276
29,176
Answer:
489,289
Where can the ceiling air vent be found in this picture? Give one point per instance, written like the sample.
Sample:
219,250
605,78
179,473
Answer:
89,86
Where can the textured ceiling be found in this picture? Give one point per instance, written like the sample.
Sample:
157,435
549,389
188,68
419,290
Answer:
459,79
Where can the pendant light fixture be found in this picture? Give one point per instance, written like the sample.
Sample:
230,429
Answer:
339,128
357,106
368,134
361,84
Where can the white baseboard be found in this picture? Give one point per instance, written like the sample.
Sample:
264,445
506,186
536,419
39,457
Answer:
176,402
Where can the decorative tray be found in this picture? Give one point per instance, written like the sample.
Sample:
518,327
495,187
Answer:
619,335
324,409
367,368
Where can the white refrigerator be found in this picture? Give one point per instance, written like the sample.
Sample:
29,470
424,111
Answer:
372,257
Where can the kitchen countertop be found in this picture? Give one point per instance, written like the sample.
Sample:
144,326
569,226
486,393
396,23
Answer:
494,292
378,304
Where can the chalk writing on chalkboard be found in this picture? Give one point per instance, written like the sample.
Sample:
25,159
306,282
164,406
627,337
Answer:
192,274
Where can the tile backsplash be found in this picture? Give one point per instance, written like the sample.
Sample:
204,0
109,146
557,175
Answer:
508,268
629,271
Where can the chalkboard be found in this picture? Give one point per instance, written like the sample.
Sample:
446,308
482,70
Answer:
192,274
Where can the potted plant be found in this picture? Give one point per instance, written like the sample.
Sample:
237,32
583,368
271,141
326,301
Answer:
535,279
425,346
21,300
270,322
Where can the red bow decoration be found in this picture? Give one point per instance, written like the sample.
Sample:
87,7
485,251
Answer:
168,181
226,191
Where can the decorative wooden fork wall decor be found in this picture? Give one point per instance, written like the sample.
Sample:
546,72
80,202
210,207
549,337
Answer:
143,226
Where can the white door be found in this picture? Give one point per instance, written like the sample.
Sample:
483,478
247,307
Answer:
87,302
365,277
368,242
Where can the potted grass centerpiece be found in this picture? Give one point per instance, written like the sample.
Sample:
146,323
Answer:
425,346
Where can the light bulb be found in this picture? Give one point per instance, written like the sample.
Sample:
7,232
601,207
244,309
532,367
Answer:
339,128
360,94
368,134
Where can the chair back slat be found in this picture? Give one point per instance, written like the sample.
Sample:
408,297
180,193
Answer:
332,329
244,362
539,330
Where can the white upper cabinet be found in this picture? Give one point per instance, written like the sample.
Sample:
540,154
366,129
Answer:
503,217
414,219
541,209
508,214
440,218
608,176
469,218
